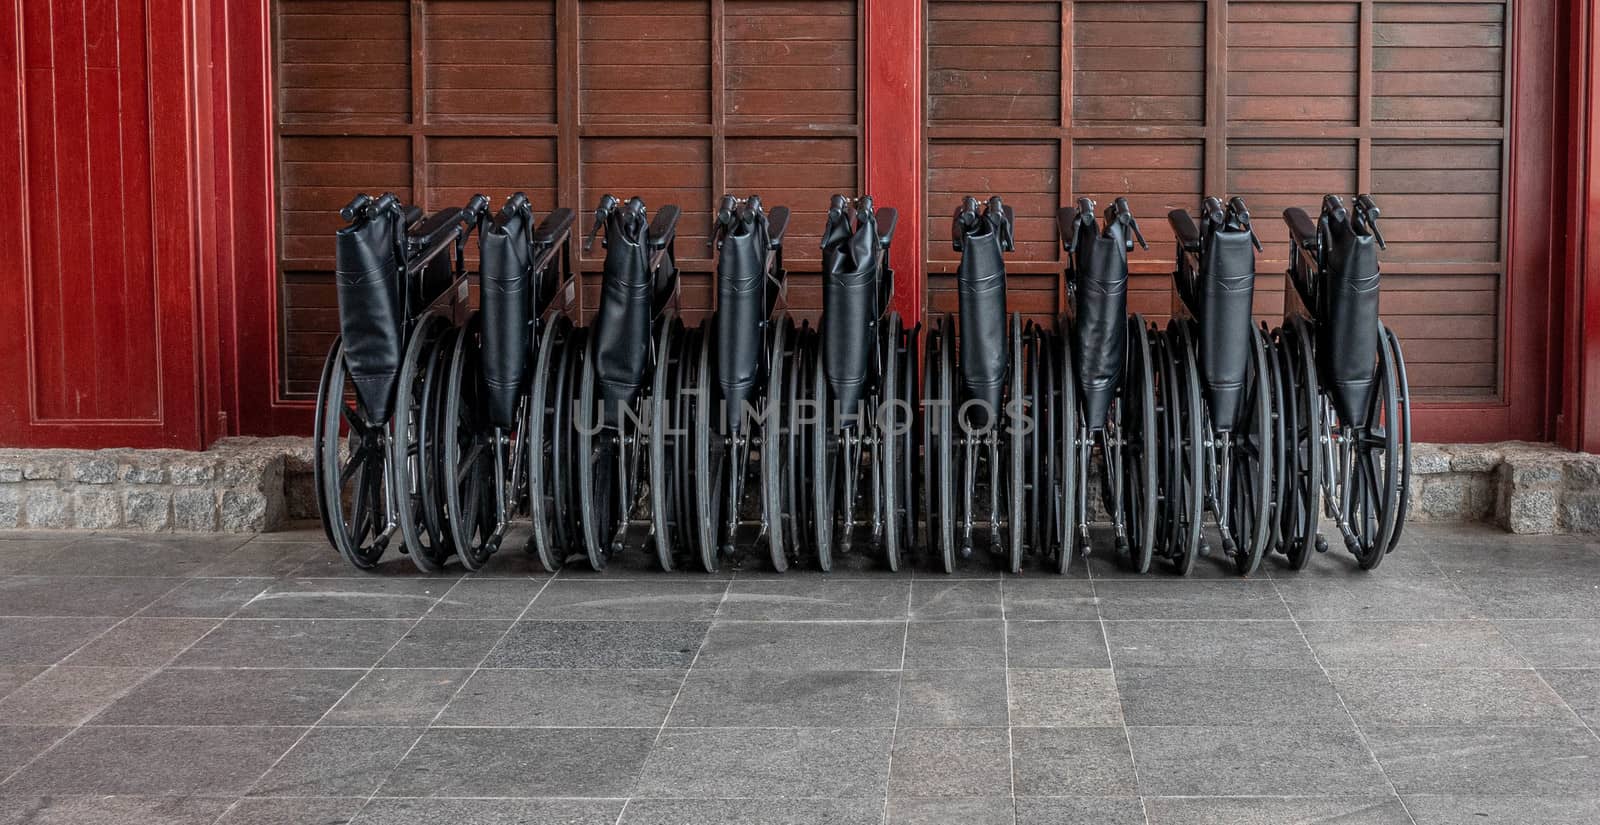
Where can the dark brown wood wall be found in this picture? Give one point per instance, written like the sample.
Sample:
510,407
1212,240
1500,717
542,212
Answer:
676,101
1043,101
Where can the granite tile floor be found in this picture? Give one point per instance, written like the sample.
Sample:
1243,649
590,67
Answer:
169,681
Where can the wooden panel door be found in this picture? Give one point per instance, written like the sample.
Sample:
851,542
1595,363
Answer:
1046,100
99,301
677,101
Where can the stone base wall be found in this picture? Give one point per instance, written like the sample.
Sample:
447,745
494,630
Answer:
247,485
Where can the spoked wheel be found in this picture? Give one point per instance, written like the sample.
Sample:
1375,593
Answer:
821,441
1022,471
1403,457
709,452
352,456
938,447
1186,445
668,447
411,451
1369,458
894,441
605,466
1250,476
1304,429
468,453
548,426
1281,443
775,456
1139,450
1071,473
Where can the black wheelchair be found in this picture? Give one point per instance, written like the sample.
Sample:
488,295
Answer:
717,410
525,283
1347,402
1221,423
850,397
402,285
1103,381
981,402
594,389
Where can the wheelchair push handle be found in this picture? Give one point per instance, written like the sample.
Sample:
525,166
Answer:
1333,207
1367,218
608,204
1120,213
968,221
1239,217
730,210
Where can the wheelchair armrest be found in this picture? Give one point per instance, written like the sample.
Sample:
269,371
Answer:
411,214
432,230
777,222
555,227
664,228
888,217
1301,228
1067,227
1183,227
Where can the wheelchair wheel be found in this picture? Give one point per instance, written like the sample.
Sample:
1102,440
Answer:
469,445
1139,450
428,547
823,472
1022,473
547,425
1403,458
938,449
774,432
1071,473
797,411
319,435
1301,408
1250,477
709,451
1369,460
892,454
352,457
1186,451
605,467
668,447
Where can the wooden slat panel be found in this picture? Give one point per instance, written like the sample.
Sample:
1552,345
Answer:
1292,62
1139,62
344,63
1439,62
1022,173
645,62
1441,202
991,61
800,173
661,171
789,69
318,175
490,61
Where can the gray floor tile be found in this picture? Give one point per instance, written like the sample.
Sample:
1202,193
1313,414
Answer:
68,695
799,598
446,643
1376,597
1554,642
956,645
1284,761
397,697
769,763
598,645
112,810
156,761
638,600
1500,597
485,599
752,812
1490,760
330,565
786,698
230,697
1073,697
1047,598
1086,811
1503,810
521,762
339,762
953,698
1072,762
1107,564
1224,696
1450,697
935,811
354,643
20,743
961,762
1580,689
491,812
207,598
104,554
576,698
304,811
1183,599
374,598
1055,644
40,641
114,596
1205,644
15,676
273,559
1502,555
141,642
803,646
1332,810
972,599
1410,644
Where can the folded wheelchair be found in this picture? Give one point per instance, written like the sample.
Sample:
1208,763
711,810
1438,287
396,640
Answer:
402,285
1347,403
1220,420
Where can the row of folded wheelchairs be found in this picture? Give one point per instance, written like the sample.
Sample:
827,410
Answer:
451,417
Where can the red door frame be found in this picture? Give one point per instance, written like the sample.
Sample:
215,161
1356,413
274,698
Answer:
1577,371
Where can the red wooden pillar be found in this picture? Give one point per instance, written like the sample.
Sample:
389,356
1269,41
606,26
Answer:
1579,425
893,129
